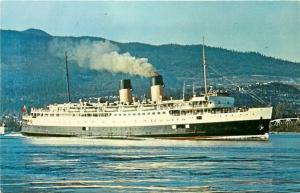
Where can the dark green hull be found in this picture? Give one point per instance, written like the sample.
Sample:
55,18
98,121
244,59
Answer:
203,130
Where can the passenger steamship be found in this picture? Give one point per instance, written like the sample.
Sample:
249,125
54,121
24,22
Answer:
203,116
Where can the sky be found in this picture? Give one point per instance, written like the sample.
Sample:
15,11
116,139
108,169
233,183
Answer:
271,28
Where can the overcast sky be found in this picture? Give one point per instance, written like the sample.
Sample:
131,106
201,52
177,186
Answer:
271,28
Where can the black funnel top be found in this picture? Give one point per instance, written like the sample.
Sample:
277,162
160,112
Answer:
125,84
157,80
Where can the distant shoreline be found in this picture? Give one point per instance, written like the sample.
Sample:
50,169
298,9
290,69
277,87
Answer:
285,132
285,129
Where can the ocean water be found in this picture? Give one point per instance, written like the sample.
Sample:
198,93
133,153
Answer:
97,165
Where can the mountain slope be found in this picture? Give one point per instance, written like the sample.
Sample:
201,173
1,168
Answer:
31,75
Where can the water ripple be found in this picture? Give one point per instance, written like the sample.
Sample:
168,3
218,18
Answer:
82,165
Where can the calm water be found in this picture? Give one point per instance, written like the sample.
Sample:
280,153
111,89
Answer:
85,165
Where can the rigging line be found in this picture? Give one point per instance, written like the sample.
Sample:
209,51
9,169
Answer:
253,95
249,92
235,84
230,73
256,97
252,92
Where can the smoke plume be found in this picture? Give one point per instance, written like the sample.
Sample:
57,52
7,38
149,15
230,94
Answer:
101,55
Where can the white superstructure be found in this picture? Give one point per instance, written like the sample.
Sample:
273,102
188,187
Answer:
172,113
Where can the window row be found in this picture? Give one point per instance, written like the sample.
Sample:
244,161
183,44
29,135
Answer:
70,114
143,113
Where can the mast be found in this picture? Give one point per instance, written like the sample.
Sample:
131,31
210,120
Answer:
204,68
183,90
67,76
194,94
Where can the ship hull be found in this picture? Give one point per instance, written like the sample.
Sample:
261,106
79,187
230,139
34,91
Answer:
191,131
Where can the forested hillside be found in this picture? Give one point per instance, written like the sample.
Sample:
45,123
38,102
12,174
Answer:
31,75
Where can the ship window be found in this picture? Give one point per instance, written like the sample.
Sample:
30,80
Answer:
57,115
158,113
124,114
143,113
163,112
139,114
180,126
95,115
120,114
148,113
133,114
175,112
153,113
199,117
